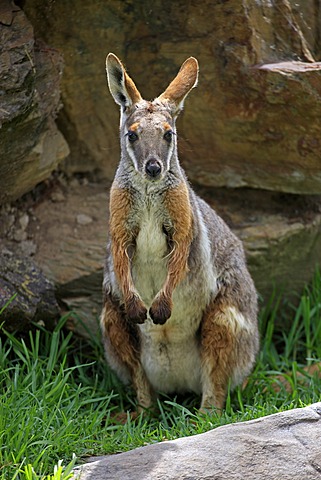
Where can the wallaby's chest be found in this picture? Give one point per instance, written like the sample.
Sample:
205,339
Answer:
151,241
149,263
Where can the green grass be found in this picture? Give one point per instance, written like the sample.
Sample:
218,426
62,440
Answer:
57,396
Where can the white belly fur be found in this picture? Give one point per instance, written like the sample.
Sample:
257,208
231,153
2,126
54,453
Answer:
169,353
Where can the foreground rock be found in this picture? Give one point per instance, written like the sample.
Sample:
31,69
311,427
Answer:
31,146
26,295
282,446
243,126
66,232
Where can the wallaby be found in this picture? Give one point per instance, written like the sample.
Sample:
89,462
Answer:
180,308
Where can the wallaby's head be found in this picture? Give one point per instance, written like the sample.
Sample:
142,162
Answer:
147,129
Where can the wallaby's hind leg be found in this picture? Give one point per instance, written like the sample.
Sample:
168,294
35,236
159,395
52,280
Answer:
228,347
122,346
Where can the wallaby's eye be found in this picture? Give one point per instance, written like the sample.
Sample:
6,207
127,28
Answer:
132,136
168,136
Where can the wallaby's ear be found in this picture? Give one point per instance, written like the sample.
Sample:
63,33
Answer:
179,88
120,84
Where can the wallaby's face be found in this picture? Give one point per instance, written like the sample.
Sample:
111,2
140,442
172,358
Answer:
148,137
147,129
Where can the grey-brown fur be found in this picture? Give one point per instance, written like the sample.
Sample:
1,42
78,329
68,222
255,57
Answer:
180,307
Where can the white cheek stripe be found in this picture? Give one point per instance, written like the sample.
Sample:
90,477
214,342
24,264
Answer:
132,157
169,155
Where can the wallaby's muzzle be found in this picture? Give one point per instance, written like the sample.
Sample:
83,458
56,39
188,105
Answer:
153,168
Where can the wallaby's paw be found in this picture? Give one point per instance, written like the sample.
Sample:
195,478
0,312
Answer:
136,310
161,310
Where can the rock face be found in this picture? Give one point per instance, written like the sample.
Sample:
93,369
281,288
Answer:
308,15
253,121
31,146
25,294
282,446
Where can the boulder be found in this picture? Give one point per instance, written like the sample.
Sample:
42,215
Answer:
65,236
31,146
283,446
254,120
281,235
26,295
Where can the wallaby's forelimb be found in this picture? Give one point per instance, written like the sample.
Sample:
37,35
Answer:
178,207
122,236
176,201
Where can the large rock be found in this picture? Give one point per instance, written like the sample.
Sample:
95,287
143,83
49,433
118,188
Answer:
65,235
282,446
31,146
26,295
243,126
281,235
67,231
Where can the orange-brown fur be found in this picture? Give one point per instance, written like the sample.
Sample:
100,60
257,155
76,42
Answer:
182,237
122,236
218,347
183,234
134,127
131,89
120,204
167,126
124,340
123,336
182,82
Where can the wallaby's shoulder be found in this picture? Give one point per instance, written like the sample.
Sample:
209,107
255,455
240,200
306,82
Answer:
226,249
217,229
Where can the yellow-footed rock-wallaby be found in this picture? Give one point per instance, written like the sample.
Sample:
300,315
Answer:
180,308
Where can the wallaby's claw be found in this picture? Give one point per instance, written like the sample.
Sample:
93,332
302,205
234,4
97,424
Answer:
161,310
135,310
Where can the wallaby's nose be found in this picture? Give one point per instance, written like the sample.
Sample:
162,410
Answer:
153,168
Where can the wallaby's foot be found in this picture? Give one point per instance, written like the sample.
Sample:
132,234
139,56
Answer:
161,309
212,411
212,405
121,418
136,310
